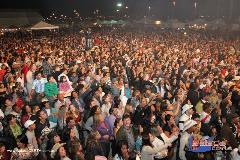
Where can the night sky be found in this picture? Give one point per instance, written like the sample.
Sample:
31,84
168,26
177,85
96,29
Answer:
184,9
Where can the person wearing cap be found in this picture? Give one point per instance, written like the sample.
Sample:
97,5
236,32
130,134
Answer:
187,113
30,133
51,112
189,128
55,148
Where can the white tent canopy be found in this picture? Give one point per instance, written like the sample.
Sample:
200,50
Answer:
43,25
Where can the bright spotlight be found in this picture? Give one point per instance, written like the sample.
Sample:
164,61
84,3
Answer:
119,4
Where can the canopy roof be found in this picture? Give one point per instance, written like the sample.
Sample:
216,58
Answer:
18,18
43,25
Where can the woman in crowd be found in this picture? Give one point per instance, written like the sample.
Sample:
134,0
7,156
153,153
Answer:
102,127
61,154
94,147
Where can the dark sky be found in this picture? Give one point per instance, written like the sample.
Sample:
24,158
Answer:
184,9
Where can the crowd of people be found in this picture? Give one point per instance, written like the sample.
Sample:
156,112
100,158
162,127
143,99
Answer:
132,95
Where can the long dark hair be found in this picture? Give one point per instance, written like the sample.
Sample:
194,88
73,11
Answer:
146,140
119,146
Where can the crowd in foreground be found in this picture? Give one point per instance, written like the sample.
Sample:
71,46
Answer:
147,96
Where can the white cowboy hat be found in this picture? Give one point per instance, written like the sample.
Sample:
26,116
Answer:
186,107
189,124
55,148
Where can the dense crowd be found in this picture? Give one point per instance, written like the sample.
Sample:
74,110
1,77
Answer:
132,95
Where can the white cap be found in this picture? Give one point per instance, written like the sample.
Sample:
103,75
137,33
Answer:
44,100
28,123
186,107
202,86
189,124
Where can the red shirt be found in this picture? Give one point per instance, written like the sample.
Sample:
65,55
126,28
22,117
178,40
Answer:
2,74
25,70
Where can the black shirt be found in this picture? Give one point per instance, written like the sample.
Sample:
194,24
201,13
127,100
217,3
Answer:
40,127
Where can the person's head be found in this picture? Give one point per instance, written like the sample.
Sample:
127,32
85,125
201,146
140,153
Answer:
76,147
16,108
123,148
190,126
11,119
2,148
189,111
144,102
28,109
72,133
42,115
33,67
207,107
235,118
49,60
128,109
95,110
61,153
146,139
74,94
63,79
167,130
152,118
36,109
61,96
170,119
114,111
118,122
30,125
45,103
50,78
56,138
94,136
8,102
22,141
38,75
106,98
70,122
127,120
98,119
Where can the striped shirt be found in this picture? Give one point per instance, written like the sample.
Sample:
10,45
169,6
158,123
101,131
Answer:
38,85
